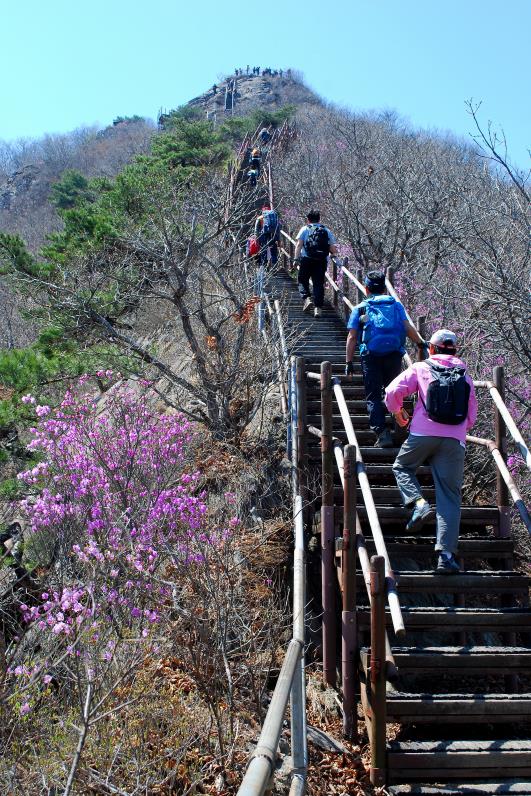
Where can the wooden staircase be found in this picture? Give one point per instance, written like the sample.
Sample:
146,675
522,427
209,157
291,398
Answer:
461,707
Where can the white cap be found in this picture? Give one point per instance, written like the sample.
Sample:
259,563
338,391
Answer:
444,338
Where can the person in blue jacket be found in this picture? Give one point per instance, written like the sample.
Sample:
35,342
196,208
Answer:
380,326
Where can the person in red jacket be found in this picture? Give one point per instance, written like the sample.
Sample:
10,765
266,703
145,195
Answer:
445,411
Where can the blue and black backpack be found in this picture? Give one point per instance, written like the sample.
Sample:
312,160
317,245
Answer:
270,227
383,328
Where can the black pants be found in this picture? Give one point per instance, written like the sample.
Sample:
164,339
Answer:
378,372
314,270
272,245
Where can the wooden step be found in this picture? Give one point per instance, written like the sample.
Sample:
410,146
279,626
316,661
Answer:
467,660
467,547
375,471
384,495
413,760
480,787
470,516
354,389
384,477
355,406
449,755
358,421
365,437
494,620
457,661
467,582
457,708
369,453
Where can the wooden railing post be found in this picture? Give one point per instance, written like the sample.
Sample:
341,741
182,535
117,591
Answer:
346,291
335,297
390,274
327,530
291,252
421,326
500,438
302,447
348,615
359,277
377,673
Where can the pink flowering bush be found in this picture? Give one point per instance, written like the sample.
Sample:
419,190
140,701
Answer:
113,486
142,577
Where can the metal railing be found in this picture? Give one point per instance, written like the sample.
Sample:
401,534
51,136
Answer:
280,350
291,684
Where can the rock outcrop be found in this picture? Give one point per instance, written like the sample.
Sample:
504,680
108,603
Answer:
239,95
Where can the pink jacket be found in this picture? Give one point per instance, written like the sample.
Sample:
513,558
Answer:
416,379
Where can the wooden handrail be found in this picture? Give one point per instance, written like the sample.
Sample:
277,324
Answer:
288,237
379,541
281,357
511,425
338,290
506,475
377,728
391,669
372,514
352,278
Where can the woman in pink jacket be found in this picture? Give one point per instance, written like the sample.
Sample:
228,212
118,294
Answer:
445,411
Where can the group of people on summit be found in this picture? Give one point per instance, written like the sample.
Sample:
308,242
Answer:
255,70
446,406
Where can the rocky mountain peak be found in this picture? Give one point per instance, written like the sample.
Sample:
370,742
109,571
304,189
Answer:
238,94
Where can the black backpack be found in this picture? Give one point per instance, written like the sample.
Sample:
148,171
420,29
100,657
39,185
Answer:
447,395
317,244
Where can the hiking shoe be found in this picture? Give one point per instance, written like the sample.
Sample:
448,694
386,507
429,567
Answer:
306,307
384,440
419,517
317,312
447,565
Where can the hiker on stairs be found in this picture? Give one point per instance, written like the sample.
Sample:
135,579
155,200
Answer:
314,243
380,325
252,176
267,231
255,161
445,411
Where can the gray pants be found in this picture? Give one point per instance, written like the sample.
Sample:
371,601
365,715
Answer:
446,456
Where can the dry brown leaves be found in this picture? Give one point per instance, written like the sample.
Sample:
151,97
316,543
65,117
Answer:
247,311
171,669
6,393
269,548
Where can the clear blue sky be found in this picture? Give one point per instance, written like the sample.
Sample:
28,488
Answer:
65,63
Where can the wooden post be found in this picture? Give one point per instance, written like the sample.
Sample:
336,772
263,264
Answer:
327,530
390,274
335,295
348,616
377,672
421,326
500,437
291,253
302,448
502,500
359,277
346,290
